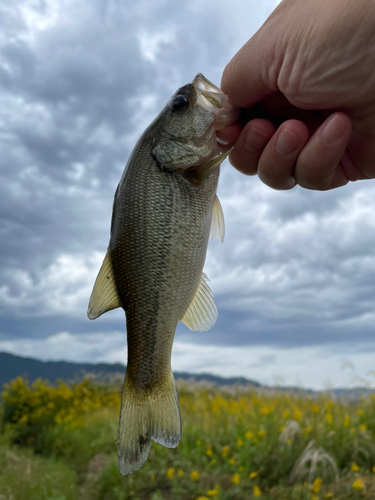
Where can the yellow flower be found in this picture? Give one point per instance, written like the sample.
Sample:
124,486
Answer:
256,491
352,430
236,478
180,473
232,461
329,494
261,433
307,430
286,414
265,411
315,408
297,414
315,488
360,412
213,492
253,474
224,451
194,476
208,450
357,485
170,473
248,435
152,477
202,498
354,467
363,427
373,469
328,418
239,442
346,421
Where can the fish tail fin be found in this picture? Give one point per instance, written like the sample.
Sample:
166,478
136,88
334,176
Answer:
145,415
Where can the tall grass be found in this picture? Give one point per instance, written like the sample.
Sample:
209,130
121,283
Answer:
235,445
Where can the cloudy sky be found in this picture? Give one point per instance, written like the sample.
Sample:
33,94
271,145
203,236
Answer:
80,80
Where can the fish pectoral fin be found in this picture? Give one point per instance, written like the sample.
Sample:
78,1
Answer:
144,417
217,230
104,296
202,313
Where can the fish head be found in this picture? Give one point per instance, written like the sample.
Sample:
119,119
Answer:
186,128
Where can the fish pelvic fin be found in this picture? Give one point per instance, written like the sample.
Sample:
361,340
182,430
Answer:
104,296
202,313
145,416
217,230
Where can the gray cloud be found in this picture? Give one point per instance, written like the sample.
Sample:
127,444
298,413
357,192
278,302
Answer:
79,82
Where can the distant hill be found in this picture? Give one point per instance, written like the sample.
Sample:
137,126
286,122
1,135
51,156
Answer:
12,366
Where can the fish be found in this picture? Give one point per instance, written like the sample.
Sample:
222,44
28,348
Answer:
165,208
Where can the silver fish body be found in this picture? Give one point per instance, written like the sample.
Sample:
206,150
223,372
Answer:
164,208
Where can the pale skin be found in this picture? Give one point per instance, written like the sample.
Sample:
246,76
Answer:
307,78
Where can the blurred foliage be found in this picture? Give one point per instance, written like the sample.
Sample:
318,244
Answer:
236,444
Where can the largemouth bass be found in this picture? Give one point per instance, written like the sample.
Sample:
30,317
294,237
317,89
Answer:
165,208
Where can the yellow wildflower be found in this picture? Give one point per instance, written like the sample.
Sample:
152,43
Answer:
373,469
315,408
357,485
265,411
180,473
239,442
194,476
354,467
203,498
170,473
256,491
286,414
224,451
236,478
213,492
315,487
346,421
253,474
329,494
328,418
208,450
297,414
248,435
360,412
232,461
261,433
152,477
363,427
307,430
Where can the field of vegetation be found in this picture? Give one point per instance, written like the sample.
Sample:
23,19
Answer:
59,443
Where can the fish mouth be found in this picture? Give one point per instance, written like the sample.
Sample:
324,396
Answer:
213,100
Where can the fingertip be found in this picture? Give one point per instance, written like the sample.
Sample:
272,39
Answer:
250,145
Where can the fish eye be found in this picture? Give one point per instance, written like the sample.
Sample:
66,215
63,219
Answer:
180,103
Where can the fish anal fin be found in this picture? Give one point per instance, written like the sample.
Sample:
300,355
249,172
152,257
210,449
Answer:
144,417
104,296
217,230
202,313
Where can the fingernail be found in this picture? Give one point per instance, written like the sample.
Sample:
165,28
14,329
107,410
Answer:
255,140
287,142
333,129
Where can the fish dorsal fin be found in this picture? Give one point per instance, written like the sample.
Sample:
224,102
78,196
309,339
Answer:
217,230
202,313
104,296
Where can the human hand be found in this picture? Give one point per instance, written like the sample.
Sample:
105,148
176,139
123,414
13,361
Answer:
310,71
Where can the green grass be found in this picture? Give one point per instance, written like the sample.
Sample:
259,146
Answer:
237,446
